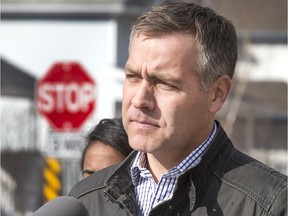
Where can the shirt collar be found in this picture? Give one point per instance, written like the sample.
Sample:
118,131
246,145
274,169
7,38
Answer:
140,163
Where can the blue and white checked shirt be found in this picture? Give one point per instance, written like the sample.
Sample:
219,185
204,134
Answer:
148,193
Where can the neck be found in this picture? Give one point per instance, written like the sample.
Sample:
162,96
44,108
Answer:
160,162
156,167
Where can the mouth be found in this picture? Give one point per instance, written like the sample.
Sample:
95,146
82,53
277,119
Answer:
144,124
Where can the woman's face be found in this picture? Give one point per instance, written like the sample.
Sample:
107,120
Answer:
99,156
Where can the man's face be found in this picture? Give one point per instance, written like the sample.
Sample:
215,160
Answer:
164,111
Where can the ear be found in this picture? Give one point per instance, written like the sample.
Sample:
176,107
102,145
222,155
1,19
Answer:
219,92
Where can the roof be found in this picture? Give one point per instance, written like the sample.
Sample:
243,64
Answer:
264,16
254,15
15,81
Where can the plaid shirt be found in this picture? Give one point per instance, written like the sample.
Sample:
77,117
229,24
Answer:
148,193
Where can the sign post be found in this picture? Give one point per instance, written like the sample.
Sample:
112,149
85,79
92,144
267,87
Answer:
66,96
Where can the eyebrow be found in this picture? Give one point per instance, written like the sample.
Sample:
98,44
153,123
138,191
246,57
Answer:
154,75
164,76
129,68
89,172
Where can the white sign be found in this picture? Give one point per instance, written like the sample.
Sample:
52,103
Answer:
66,145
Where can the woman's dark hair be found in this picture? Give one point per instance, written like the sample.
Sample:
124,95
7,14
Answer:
109,132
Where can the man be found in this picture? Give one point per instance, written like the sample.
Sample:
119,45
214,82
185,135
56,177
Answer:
107,144
178,75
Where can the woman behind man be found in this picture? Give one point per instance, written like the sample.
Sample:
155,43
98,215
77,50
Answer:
107,144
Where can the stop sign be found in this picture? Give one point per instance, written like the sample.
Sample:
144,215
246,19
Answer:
66,96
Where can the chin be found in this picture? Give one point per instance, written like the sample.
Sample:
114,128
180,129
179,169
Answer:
139,146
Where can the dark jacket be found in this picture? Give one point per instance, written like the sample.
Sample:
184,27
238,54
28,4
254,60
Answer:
226,182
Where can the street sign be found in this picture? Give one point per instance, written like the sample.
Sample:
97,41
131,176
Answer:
66,96
65,145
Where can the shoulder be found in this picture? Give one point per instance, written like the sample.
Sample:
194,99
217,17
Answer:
245,178
262,183
92,183
254,169
244,172
99,180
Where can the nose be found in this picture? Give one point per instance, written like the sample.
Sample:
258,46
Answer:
144,97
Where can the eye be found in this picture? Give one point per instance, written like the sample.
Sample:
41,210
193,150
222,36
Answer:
165,85
132,77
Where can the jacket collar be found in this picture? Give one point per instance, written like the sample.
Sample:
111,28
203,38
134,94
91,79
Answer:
196,175
121,189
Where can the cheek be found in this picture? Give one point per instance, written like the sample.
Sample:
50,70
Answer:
127,92
188,109
174,113
125,99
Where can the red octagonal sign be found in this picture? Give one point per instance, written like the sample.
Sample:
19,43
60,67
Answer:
66,96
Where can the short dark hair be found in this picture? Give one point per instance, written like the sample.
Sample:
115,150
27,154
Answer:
215,36
110,132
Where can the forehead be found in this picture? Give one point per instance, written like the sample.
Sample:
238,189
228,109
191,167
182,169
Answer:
171,36
99,148
175,50
173,42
